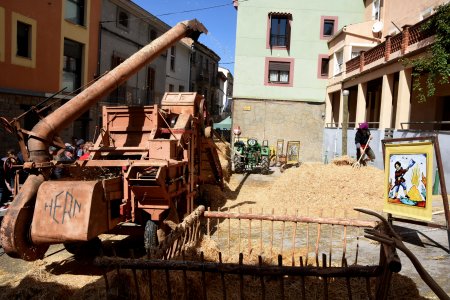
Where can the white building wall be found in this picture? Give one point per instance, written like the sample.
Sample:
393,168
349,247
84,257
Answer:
179,77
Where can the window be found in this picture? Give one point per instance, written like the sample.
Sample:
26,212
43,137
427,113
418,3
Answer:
324,62
122,19
172,58
151,84
426,13
152,35
279,32
207,65
338,62
171,88
73,54
279,71
181,88
120,93
328,25
23,39
376,10
74,11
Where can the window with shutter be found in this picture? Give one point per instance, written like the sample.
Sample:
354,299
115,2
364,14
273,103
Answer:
279,71
279,30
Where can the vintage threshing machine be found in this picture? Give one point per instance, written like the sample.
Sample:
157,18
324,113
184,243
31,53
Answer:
144,168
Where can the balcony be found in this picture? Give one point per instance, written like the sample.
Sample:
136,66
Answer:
412,38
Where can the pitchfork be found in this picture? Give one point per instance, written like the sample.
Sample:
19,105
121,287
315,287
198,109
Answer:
358,164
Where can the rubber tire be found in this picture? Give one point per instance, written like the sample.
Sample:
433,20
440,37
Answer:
238,165
265,165
150,235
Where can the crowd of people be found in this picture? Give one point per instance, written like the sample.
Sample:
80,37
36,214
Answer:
78,149
8,176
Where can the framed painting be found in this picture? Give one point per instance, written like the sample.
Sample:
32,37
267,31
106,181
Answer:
409,180
280,147
293,152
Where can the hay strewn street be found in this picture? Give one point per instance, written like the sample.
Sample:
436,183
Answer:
311,189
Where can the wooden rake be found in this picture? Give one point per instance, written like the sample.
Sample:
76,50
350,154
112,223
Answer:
358,163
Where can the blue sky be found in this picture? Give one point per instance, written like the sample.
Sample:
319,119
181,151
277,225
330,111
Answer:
218,16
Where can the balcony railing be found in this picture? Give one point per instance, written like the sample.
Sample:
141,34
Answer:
409,36
352,64
375,53
416,34
396,42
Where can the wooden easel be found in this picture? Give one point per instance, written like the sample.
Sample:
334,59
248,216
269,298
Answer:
435,141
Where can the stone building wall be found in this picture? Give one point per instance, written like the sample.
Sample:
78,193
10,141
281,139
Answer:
287,120
12,106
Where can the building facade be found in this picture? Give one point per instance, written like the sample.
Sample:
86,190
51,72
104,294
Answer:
372,69
203,78
178,67
279,84
125,28
225,92
379,82
46,46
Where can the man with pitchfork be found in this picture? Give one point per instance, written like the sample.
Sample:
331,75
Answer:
362,138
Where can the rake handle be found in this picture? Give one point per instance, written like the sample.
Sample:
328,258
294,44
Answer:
364,150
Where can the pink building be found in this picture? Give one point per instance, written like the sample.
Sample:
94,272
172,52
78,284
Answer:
366,59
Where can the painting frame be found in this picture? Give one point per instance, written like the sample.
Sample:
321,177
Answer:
280,148
440,171
293,152
408,180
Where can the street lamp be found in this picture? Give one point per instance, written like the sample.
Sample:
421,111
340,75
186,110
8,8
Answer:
345,94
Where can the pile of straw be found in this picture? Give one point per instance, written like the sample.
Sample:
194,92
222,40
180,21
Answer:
311,189
343,161
224,151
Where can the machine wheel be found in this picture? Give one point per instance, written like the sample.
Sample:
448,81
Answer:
150,235
265,165
87,249
273,161
238,165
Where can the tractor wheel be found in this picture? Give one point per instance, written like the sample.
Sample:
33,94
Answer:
238,165
265,165
83,250
150,235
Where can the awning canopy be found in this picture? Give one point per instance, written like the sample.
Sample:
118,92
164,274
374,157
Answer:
224,124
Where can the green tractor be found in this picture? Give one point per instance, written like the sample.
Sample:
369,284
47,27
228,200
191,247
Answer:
251,155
